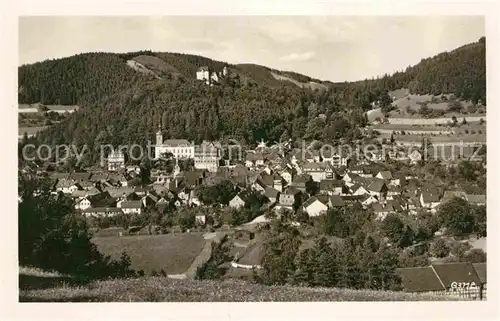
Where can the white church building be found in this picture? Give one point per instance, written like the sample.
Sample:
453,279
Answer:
206,156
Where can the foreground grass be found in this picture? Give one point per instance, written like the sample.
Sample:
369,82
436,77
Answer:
161,289
171,253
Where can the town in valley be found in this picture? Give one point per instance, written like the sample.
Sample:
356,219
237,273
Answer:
180,169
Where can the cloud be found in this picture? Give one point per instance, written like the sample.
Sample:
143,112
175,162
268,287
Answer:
293,57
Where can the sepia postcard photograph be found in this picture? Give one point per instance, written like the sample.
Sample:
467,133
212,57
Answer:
251,158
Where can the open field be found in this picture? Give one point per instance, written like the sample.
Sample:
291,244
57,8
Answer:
458,129
172,253
33,108
438,139
468,130
312,85
161,289
30,131
404,101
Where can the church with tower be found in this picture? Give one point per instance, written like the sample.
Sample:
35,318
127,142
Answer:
207,155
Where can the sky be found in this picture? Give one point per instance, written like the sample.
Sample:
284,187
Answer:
335,48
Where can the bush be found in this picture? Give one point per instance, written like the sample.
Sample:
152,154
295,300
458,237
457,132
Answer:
440,249
475,256
459,249
213,269
456,215
53,237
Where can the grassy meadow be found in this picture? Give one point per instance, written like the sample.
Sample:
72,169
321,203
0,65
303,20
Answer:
162,289
172,253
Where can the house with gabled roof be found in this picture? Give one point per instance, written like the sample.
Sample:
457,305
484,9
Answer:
307,156
415,156
268,180
449,195
356,169
335,159
117,192
250,159
331,187
67,186
349,178
385,175
378,188
381,210
59,175
481,273
103,199
335,201
80,176
239,200
314,207
393,191
478,199
86,185
251,257
102,211
398,180
459,280
287,175
131,207
413,205
259,185
353,199
287,199
272,194
278,182
82,193
319,171
259,159
357,189
149,200
398,203
267,170
367,199
374,156
121,178
300,181
430,199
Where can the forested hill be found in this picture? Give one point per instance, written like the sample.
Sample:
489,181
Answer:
461,72
85,78
253,102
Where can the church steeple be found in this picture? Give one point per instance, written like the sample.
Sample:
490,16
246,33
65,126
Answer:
177,168
159,135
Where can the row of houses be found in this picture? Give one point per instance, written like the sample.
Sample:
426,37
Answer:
383,193
99,194
281,179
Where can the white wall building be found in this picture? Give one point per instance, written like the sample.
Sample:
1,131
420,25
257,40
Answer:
180,148
207,156
210,77
203,74
82,203
314,207
116,160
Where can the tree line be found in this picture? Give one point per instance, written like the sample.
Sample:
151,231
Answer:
53,237
137,104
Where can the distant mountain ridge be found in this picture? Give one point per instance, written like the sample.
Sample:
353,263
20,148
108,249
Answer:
70,80
254,102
